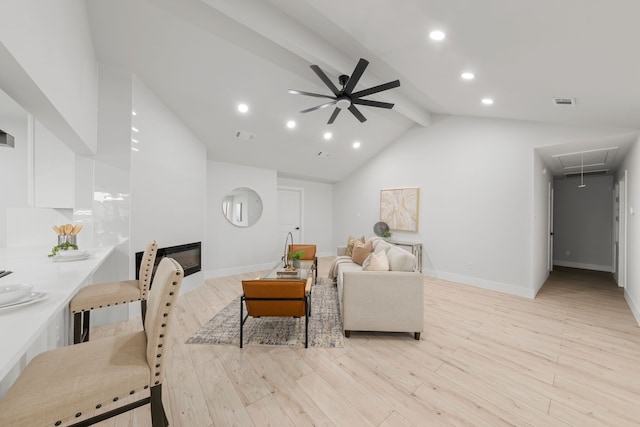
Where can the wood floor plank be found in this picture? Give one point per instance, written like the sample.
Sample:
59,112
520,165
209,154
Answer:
225,405
356,394
568,357
267,413
334,404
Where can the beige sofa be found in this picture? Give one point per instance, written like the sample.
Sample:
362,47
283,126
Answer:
388,301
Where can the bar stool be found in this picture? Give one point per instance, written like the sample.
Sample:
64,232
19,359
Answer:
107,294
64,385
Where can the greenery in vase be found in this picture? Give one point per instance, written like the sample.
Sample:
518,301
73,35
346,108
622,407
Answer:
62,247
386,234
297,255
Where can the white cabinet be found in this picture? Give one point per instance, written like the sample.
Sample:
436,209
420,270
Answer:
54,165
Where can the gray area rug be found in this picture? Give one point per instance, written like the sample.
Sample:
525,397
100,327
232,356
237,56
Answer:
325,325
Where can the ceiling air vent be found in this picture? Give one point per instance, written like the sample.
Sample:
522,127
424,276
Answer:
564,102
247,136
323,154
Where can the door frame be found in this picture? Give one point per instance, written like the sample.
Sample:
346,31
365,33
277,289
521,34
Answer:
622,231
550,229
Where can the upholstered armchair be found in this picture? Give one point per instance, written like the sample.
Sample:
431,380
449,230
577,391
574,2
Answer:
74,382
276,298
107,294
309,254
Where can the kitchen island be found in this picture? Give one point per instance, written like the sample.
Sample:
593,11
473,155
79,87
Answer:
29,329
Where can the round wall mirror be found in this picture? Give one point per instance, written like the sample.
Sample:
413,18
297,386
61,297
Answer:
242,207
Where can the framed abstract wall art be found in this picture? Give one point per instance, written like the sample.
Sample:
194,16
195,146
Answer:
399,208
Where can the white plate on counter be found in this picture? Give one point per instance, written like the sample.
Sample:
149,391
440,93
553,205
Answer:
71,255
29,299
12,293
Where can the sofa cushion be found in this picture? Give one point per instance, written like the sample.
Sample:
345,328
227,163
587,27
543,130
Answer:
380,245
360,252
400,260
351,243
376,262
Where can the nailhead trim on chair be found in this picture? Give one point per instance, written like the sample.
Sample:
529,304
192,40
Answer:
147,272
108,305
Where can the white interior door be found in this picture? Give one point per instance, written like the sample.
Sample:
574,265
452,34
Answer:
289,214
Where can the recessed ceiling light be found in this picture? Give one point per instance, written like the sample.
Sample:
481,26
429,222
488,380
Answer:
487,101
467,75
134,129
134,149
327,135
133,113
134,140
356,144
243,108
437,35
291,124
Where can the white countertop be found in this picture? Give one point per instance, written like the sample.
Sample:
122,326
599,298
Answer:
20,326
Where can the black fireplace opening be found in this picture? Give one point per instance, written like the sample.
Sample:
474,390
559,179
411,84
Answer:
189,256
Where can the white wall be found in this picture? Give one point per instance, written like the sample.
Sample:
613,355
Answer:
168,178
318,213
476,206
231,249
49,67
632,288
583,223
13,167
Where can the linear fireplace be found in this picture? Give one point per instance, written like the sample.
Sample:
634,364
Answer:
189,256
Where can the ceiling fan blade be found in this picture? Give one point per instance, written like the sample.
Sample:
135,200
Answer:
325,79
334,115
318,107
376,89
355,76
357,113
317,95
369,103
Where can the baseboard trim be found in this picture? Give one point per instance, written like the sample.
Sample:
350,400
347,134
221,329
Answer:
633,306
583,266
486,284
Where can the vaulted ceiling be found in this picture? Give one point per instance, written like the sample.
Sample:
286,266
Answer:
203,57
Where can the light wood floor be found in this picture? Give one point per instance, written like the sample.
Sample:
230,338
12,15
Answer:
569,357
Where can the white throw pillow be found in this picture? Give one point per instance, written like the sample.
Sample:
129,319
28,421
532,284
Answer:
381,246
376,262
400,260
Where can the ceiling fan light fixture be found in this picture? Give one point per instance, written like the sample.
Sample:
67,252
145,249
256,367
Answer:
343,103
327,135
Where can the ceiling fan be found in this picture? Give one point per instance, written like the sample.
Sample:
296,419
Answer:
345,97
